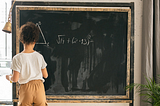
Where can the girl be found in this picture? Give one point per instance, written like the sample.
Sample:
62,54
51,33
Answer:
29,68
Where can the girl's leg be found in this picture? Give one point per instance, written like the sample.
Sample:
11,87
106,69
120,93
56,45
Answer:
25,96
40,97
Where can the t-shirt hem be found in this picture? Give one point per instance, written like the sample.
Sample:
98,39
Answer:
30,80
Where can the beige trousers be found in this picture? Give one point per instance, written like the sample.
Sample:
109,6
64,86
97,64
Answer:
32,94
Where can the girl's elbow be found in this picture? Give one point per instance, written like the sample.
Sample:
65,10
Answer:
15,80
45,76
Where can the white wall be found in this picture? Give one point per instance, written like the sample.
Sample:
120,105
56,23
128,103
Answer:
137,49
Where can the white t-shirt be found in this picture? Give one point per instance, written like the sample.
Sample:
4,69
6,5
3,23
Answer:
29,66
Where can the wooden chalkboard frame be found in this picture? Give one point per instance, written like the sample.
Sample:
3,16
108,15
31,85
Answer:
128,98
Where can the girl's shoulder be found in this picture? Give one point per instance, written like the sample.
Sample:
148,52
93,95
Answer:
17,55
37,53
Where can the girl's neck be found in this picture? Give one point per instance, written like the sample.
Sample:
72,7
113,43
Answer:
28,48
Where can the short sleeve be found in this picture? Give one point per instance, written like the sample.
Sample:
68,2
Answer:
15,65
44,64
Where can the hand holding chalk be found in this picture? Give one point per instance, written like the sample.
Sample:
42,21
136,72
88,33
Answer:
8,77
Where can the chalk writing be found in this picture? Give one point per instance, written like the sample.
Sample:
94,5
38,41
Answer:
63,40
38,25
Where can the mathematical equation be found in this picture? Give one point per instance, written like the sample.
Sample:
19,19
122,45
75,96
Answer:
63,40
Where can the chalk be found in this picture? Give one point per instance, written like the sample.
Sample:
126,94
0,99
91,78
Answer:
10,78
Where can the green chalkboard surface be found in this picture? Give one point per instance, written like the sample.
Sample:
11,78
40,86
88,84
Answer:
87,49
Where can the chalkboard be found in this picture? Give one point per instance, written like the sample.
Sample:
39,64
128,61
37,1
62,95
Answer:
87,49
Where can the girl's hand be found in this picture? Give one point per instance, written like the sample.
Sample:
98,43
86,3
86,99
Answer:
7,77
